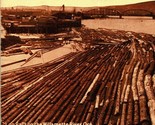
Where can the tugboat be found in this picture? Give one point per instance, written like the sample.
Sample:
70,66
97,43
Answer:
67,19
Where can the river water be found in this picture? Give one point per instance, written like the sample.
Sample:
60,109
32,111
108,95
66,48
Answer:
136,24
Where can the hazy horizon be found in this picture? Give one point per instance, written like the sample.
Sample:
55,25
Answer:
71,3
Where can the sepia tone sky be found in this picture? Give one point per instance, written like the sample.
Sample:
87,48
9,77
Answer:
83,3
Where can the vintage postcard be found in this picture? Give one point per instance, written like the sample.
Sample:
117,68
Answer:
74,62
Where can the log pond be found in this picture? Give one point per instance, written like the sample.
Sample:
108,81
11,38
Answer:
127,23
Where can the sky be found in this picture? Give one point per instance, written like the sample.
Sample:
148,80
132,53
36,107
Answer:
82,3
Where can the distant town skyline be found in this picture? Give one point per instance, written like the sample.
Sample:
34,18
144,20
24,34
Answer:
78,3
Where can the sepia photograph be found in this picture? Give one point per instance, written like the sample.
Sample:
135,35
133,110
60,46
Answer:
77,62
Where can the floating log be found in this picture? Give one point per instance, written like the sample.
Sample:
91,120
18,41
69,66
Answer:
13,63
148,87
129,119
153,79
144,117
134,82
152,110
89,89
102,113
123,115
84,87
140,83
136,113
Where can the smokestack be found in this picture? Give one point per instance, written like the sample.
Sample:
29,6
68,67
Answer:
63,8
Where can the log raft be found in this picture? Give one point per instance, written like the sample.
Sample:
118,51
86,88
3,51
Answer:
107,84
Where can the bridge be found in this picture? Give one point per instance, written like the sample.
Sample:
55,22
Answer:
138,12
105,11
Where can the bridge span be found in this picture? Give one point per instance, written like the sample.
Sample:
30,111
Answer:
104,12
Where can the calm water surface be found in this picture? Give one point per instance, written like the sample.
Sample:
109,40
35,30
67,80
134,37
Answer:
136,24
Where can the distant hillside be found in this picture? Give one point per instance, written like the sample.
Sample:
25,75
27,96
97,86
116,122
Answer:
150,6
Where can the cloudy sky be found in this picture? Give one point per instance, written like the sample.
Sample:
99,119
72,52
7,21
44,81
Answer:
83,3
